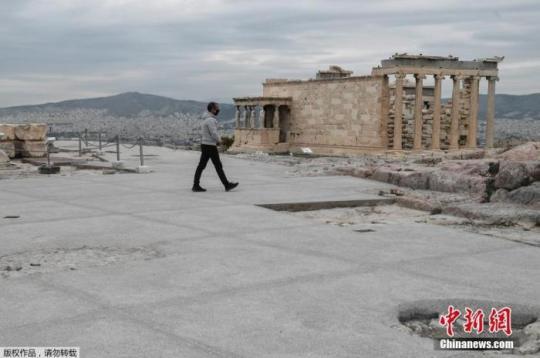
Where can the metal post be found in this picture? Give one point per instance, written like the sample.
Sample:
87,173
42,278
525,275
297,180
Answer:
86,137
80,145
99,139
141,150
48,155
118,148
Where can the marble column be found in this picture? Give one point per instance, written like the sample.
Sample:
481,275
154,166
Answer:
436,130
276,116
385,109
246,117
473,113
398,110
253,117
456,106
237,116
418,106
490,113
261,117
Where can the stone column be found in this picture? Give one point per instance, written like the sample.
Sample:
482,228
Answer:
261,118
276,116
253,117
237,116
473,113
246,117
456,105
436,130
385,108
418,106
490,113
398,110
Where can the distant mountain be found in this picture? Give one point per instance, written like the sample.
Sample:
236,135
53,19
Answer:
513,106
132,104
129,104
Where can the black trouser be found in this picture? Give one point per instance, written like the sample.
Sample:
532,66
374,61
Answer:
209,152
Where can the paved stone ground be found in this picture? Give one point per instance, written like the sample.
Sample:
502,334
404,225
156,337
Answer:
169,273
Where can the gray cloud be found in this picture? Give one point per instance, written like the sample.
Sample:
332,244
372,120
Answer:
59,49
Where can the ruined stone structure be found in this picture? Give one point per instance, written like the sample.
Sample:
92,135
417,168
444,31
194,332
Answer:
338,113
24,140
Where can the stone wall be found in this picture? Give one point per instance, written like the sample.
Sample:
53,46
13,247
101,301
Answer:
342,113
255,138
24,140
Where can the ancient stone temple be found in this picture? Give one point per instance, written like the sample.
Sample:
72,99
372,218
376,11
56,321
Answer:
338,113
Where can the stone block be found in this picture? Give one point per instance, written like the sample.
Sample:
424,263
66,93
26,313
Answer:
419,204
8,130
457,183
30,149
143,169
3,157
8,148
381,174
31,132
118,165
415,180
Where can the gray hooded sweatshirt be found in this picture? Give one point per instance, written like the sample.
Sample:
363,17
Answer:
209,130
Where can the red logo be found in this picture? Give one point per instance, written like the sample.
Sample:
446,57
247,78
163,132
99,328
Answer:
500,320
449,319
474,321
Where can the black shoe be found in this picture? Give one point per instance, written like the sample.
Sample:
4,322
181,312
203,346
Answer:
230,186
198,188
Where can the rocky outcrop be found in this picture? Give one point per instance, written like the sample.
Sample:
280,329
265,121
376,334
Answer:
456,176
526,151
533,167
479,178
495,213
526,195
511,175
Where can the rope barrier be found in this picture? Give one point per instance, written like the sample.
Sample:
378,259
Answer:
85,146
129,147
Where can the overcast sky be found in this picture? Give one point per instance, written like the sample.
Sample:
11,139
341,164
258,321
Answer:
53,50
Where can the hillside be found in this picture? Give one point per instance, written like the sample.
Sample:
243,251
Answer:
132,104
513,106
129,104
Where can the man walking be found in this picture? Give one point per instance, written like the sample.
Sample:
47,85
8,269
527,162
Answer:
210,141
